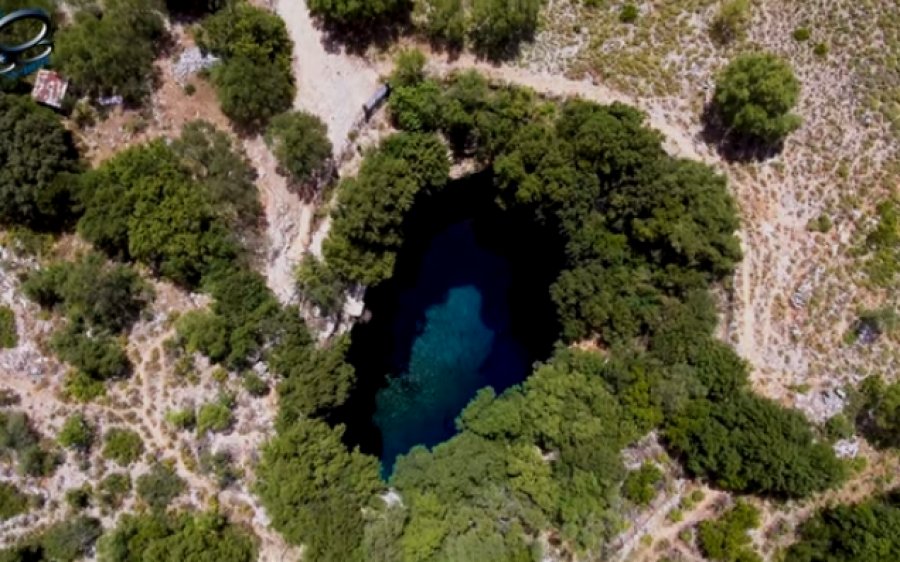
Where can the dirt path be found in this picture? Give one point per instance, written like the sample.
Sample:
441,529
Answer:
330,84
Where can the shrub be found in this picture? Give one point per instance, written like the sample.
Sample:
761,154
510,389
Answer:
99,357
215,417
182,419
122,446
320,285
159,486
755,94
251,93
12,501
8,335
91,291
221,465
300,142
76,433
255,385
409,68
111,491
69,540
639,485
801,34
79,498
820,50
726,540
629,13
81,387
731,21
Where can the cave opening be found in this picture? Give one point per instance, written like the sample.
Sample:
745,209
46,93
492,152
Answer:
468,307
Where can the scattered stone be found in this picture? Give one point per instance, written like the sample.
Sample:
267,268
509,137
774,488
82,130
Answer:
191,62
847,448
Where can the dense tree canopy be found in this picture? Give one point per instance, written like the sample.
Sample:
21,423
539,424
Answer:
866,532
38,156
726,539
357,13
755,94
641,237
112,53
367,225
170,206
751,444
204,537
314,489
254,81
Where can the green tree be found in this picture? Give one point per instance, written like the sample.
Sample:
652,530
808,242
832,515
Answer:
316,386
367,224
880,416
500,25
214,417
868,531
726,539
357,13
187,537
112,53
314,489
751,444
91,290
300,143
39,155
244,30
159,486
320,285
755,94
122,446
251,93
640,484
76,433
222,169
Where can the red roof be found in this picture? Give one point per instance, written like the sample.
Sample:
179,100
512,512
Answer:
49,88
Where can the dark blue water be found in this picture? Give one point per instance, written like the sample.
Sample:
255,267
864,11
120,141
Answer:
451,336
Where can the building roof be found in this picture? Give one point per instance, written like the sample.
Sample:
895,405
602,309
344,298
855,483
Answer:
49,88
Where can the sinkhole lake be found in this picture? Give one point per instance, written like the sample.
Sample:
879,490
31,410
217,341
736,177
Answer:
455,317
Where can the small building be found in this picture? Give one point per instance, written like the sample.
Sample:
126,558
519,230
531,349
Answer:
49,88
371,106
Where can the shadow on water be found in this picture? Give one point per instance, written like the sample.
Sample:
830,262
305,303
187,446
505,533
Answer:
457,241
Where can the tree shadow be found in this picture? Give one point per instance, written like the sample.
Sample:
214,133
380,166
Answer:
356,39
731,146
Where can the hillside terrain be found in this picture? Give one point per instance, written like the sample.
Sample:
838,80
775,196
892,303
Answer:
234,359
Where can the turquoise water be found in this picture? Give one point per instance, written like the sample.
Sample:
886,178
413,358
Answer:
450,335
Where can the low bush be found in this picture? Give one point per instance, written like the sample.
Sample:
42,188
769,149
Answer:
122,446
